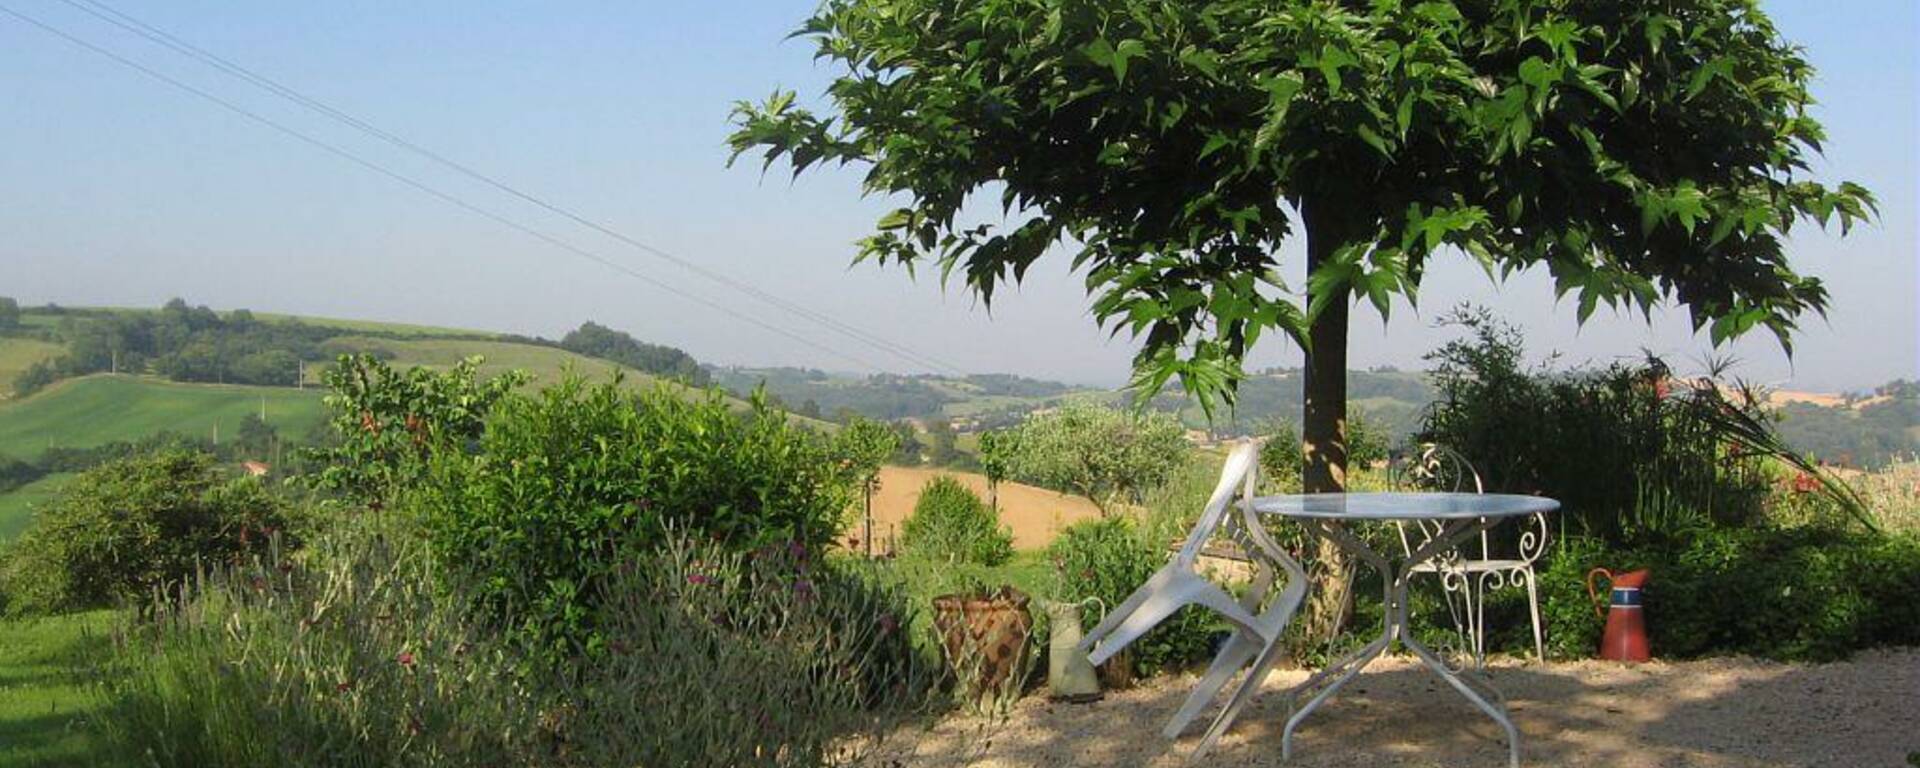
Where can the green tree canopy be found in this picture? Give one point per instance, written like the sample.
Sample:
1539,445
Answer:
9,313
1639,151
1107,455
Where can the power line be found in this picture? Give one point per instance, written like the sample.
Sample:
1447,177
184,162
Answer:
159,36
430,190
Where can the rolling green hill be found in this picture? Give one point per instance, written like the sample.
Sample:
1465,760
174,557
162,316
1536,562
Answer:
547,364
16,355
95,410
17,506
372,326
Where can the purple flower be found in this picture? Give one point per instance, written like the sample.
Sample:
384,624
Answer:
699,579
803,589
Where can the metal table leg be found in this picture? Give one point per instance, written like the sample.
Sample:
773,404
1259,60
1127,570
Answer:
1395,629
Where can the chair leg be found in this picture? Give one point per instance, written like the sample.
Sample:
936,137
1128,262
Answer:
1455,612
1533,607
1480,626
1239,649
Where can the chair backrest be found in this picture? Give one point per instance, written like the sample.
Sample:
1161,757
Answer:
1433,467
1239,474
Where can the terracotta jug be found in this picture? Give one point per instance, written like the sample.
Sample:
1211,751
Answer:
1626,635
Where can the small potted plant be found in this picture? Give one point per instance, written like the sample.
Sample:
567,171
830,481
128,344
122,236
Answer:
984,635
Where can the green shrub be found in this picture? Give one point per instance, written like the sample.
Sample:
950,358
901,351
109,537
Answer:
353,658
1600,441
135,525
386,425
568,483
764,658
350,658
1109,559
950,524
1790,594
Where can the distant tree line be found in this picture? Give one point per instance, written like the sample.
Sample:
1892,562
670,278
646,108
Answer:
885,397
197,344
596,340
1866,434
179,342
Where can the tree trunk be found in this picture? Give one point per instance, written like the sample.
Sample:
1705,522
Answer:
866,533
1323,428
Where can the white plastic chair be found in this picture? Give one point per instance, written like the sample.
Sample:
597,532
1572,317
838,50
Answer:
1469,576
1181,583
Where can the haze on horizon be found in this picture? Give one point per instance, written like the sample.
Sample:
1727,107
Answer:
123,191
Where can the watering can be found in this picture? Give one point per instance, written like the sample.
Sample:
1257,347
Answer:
1626,635
1070,676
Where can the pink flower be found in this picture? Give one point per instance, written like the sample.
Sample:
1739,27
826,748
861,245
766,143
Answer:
699,579
405,658
1805,483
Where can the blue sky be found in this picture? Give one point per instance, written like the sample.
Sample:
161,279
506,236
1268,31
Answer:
119,190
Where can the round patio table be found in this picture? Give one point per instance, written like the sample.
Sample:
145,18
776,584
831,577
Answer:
1459,515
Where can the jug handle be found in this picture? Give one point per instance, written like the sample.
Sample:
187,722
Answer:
1099,602
1593,595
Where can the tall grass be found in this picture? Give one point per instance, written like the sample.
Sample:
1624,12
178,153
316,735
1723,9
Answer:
348,658
1893,494
352,654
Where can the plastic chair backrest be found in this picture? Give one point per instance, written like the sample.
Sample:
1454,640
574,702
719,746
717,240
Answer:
1238,473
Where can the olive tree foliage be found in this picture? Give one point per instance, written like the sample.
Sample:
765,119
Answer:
996,451
860,448
1638,151
1108,455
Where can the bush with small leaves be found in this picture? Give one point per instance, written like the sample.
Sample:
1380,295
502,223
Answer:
136,525
950,524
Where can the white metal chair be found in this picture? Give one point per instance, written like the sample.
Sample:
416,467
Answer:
1181,583
1466,577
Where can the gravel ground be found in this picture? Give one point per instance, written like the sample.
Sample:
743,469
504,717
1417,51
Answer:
1712,713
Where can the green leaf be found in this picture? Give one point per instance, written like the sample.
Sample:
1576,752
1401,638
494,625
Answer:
898,219
1704,76
1373,139
1689,204
1214,143
1126,51
1537,73
1330,62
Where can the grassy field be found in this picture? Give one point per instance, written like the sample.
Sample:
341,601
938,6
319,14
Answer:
16,355
371,326
16,507
100,409
547,364
35,319
42,706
